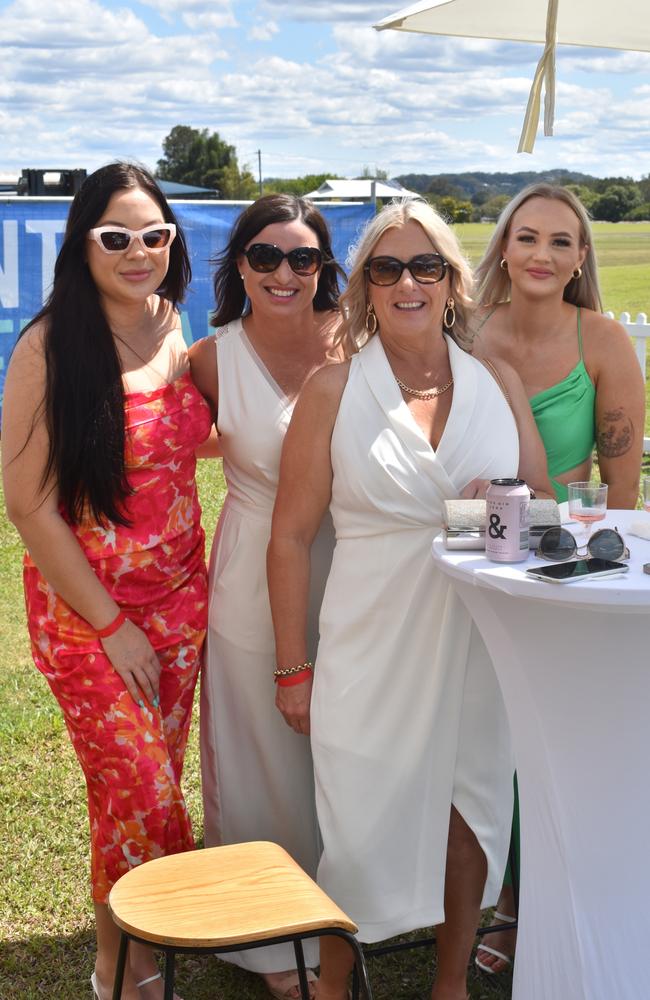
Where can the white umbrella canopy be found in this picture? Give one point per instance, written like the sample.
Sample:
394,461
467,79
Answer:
614,24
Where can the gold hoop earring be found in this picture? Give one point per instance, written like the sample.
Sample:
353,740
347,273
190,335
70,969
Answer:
449,315
577,273
371,320
503,264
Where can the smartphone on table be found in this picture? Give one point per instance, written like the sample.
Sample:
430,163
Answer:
577,569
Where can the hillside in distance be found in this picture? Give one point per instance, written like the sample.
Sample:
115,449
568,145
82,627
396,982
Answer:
478,186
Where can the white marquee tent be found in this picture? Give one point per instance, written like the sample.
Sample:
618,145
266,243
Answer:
359,190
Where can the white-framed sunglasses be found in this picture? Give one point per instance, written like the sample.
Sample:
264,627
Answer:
117,239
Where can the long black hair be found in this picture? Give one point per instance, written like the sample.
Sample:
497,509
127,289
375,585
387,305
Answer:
229,293
84,396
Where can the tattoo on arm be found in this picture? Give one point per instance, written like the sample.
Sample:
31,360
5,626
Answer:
615,434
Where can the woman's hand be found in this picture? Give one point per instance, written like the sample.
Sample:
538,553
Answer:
476,489
294,703
135,660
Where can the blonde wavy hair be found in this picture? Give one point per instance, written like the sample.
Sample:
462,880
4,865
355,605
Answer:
493,282
392,216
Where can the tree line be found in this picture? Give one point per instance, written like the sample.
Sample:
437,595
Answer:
202,158
475,196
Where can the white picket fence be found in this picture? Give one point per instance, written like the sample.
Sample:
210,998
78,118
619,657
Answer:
639,330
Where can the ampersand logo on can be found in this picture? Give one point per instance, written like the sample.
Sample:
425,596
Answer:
496,529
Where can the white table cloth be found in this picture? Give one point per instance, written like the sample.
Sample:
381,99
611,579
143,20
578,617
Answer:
573,662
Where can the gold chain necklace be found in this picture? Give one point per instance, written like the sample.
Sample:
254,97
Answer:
425,393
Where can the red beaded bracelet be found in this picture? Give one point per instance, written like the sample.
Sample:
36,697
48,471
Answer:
285,682
113,626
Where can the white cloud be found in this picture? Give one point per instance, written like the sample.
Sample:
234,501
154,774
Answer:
263,32
586,60
196,13
368,11
65,24
207,21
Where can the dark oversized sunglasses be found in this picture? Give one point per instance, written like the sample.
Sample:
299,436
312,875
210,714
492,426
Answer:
116,240
266,257
426,268
559,544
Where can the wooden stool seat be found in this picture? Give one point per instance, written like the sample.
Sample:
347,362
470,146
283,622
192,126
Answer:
222,896
221,899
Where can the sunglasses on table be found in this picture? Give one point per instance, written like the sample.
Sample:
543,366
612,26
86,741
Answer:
117,239
426,268
266,257
559,544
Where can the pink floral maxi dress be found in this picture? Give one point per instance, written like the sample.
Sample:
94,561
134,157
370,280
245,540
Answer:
132,758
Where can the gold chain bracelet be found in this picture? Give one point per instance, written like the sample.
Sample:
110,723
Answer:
288,671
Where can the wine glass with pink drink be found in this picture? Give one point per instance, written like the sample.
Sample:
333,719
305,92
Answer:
587,504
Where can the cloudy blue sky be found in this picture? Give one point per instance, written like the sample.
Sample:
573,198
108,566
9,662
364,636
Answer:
311,84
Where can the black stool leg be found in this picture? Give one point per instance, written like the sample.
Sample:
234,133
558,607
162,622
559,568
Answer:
120,967
300,966
360,967
170,958
355,984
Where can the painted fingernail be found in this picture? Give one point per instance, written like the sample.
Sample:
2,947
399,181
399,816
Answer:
156,702
140,703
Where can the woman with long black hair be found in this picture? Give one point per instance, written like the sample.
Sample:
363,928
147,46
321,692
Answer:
100,425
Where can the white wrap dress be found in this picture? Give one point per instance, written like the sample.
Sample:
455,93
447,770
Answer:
407,716
257,773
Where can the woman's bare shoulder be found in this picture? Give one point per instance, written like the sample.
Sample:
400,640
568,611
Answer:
328,382
203,351
603,338
28,355
600,327
203,368
318,403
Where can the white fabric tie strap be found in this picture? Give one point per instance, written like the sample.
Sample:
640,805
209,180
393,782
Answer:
545,73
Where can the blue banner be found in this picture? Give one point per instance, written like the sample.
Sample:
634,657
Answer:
31,231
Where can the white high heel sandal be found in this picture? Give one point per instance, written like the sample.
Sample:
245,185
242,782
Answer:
152,979
143,982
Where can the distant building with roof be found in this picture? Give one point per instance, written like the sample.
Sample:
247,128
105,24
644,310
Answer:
367,189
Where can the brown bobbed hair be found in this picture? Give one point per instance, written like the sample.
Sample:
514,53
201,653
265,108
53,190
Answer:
230,296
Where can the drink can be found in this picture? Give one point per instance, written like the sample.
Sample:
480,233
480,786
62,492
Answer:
507,520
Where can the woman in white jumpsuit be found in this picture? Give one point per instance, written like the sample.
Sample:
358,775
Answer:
409,736
276,318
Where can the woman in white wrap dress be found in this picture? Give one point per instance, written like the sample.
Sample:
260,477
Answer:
276,317
409,737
